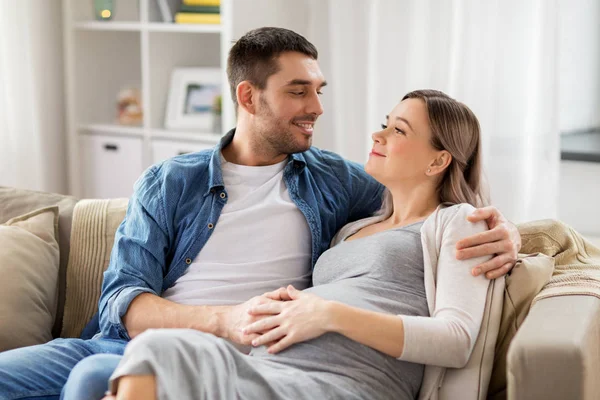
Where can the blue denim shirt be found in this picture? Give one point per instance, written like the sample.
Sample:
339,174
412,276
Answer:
177,203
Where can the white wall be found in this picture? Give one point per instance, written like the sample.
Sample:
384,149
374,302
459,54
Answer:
579,203
579,64
579,109
48,57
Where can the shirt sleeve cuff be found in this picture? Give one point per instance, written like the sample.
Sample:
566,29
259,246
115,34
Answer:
417,336
120,304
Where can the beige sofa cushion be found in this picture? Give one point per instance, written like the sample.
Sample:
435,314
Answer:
555,353
92,236
530,274
15,202
29,264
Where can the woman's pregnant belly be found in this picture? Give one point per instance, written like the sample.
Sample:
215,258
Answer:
335,353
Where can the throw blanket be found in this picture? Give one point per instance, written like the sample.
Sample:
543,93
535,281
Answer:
577,261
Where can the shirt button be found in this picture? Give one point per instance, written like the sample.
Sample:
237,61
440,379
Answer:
188,261
223,195
210,226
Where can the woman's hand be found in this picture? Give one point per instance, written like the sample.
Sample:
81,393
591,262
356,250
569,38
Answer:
306,316
502,240
280,294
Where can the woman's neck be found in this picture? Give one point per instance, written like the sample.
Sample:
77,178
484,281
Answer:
414,204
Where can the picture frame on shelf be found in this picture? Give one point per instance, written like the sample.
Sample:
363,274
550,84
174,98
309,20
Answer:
193,102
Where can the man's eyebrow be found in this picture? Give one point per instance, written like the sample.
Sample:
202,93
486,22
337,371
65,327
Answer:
294,82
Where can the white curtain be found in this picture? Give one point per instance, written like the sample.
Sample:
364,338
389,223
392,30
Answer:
32,132
497,56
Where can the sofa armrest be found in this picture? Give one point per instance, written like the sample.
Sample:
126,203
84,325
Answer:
556,352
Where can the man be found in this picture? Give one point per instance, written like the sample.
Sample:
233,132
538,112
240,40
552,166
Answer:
206,234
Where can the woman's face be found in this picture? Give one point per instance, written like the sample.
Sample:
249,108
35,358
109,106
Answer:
402,150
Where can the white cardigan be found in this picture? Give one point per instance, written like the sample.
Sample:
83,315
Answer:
455,298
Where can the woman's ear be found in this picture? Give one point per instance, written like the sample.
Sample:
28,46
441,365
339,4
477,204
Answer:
440,163
246,96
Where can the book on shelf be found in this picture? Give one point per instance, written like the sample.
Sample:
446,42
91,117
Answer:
202,2
165,10
197,18
200,9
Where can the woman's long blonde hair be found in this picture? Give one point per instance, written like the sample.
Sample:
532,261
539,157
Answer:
454,128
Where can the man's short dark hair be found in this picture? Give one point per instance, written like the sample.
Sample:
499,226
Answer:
253,57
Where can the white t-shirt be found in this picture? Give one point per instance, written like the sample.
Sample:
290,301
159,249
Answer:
260,242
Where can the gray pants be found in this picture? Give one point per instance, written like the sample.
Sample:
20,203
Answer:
193,365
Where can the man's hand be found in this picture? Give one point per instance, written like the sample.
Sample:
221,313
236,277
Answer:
501,240
237,317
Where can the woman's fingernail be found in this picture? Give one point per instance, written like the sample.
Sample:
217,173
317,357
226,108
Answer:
477,271
254,342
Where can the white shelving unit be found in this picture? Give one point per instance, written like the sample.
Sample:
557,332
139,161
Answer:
137,49
134,49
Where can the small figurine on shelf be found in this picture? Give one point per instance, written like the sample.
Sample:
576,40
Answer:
216,109
104,9
129,104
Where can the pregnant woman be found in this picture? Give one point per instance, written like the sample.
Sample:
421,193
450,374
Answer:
388,297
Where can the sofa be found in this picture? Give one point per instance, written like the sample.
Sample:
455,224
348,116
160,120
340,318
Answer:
548,350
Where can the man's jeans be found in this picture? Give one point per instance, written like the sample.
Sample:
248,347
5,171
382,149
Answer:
40,372
89,378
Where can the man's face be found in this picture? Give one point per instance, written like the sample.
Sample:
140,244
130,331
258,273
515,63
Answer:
289,105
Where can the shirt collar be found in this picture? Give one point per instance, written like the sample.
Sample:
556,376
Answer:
299,161
215,176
